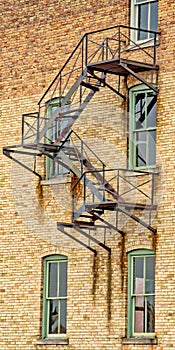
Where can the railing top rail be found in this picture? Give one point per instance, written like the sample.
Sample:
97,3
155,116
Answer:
142,172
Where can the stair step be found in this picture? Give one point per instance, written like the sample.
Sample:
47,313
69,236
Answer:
89,86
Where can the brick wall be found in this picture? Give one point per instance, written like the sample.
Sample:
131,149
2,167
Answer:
37,38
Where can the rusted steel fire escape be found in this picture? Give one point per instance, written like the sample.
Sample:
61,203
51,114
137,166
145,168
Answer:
97,56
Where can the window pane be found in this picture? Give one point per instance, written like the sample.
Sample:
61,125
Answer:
154,16
53,316
141,149
151,109
142,21
137,1
149,287
139,316
150,314
63,279
138,282
53,279
140,111
152,147
63,305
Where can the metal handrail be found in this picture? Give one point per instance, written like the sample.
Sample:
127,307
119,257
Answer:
137,173
85,38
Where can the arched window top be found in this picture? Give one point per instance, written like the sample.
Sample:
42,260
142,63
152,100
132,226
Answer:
141,252
55,257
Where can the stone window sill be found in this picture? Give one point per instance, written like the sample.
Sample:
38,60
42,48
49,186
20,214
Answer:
141,44
141,340
56,341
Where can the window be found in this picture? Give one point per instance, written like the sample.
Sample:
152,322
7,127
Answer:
142,128
54,168
144,15
54,296
141,293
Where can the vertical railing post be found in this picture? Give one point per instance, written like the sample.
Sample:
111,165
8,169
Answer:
155,48
38,124
86,51
152,190
81,161
103,49
118,182
106,49
82,56
60,92
103,181
119,42
73,205
22,130
84,188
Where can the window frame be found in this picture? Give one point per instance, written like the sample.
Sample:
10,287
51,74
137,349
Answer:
130,312
46,299
133,131
134,19
50,164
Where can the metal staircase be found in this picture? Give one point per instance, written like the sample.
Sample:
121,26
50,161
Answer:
98,56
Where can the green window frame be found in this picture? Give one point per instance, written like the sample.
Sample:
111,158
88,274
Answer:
141,293
54,169
54,296
144,15
142,127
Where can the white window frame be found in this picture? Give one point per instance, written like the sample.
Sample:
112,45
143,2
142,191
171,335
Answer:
134,21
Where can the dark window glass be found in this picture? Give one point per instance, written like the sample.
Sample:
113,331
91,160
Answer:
153,16
63,305
152,147
63,279
149,283
151,109
143,21
140,149
140,111
150,314
138,275
53,316
53,279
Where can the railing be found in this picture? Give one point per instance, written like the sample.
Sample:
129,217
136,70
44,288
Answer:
95,46
83,156
125,187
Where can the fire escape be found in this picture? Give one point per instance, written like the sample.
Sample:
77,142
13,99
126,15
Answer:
97,190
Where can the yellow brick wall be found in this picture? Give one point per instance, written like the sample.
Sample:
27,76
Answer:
37,38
